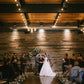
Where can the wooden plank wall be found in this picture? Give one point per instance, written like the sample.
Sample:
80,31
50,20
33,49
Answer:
57,43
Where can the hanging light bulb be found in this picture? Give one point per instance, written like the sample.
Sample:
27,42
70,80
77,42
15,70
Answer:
53,26
62,9
59,13
15,0
21,13
19,9
17,4
66,0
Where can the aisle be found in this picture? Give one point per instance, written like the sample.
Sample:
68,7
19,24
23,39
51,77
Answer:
32,79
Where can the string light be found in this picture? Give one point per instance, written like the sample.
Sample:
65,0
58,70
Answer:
21,13
62,9
17,4
66,0
23,19
19,9
58,16
56,20
59,13
53,26
15,0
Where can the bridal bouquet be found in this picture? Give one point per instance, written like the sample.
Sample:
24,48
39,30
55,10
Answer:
34,52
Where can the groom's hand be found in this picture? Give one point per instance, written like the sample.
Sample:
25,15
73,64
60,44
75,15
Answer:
41,62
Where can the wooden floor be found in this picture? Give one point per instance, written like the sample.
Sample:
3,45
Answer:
56,42
32,79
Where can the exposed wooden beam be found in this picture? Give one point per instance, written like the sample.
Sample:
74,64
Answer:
26,16
58,13
41,8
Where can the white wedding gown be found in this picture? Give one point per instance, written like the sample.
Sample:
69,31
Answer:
46,69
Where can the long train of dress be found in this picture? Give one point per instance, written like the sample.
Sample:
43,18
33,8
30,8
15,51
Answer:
46,69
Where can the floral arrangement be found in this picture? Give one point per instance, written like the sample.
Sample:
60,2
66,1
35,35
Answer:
34,52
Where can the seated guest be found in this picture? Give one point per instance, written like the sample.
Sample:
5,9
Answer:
80,59
75,71
8,70
72,59
81,73
66,59
64,66
68,71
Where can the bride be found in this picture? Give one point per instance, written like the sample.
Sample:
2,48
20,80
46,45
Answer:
46,68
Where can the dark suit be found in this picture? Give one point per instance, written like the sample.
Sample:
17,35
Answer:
37,62
40,65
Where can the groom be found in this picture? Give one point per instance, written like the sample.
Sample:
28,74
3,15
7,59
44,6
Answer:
41,59
38,63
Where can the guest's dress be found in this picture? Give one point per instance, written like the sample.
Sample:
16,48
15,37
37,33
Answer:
46,69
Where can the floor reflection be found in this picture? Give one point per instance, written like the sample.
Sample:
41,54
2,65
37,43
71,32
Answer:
32,79
46,80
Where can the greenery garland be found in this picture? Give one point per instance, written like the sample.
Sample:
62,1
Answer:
34,52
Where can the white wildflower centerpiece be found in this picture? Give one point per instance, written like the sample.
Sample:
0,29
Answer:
34,52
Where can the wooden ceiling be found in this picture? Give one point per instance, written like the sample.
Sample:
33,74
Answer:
76,1
8,2
42,1
42,17
60,18
11,18
70,17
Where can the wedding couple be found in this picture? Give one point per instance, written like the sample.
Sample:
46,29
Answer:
43,66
